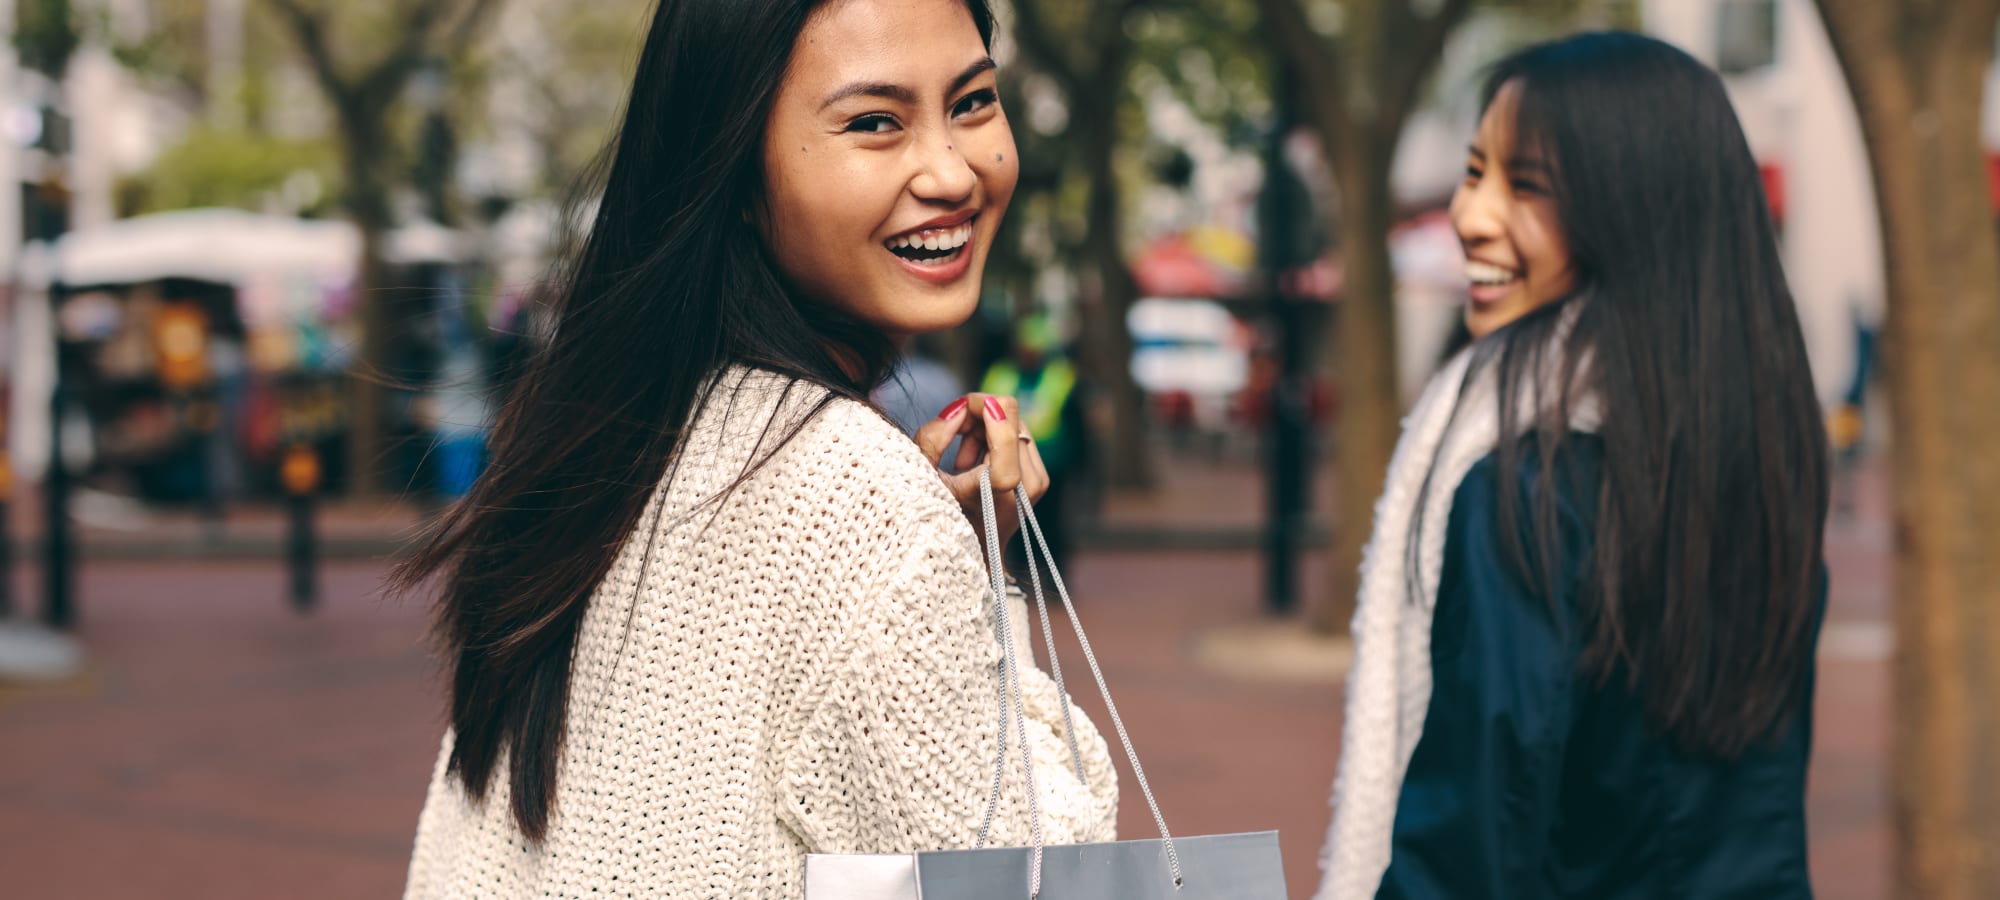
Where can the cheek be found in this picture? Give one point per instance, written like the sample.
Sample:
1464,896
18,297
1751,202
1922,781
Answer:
990,152
822,206
1547,249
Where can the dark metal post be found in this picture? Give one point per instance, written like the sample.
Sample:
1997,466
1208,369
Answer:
6,523
301,474
9,352
204,417
1289,504
59,575
46,214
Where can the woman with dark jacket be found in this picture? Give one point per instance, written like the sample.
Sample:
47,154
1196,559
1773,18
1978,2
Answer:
1584,641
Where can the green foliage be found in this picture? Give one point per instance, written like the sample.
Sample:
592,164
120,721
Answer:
236,169
46,35
171,52
1210,54
572,87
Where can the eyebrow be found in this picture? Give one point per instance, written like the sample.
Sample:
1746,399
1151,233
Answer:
901,93
1518,165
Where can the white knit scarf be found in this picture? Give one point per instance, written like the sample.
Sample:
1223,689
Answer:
1454,424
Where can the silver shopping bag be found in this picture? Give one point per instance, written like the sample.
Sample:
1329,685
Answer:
1215,867
1208,867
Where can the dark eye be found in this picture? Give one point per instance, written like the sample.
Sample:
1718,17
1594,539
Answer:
872,124
1525,186
975,102
1473,173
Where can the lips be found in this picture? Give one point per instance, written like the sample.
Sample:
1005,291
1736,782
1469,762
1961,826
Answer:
939,251
939,224
932,243
1481,272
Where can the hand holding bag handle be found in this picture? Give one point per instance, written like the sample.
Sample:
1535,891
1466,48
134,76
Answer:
1010,684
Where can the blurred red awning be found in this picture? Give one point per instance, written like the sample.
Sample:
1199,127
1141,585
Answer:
1773,175
1184,266
1993,179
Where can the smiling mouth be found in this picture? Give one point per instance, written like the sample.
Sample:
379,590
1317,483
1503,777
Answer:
1487,275
933,247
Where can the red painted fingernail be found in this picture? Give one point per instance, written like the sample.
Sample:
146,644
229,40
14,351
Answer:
994,410
952,411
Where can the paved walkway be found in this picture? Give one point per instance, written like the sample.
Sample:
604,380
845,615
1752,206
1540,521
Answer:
224,747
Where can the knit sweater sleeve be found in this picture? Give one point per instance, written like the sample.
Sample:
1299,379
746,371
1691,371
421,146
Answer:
899,752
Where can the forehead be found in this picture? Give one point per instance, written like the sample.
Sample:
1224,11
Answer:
1502,137
1497,125
878,40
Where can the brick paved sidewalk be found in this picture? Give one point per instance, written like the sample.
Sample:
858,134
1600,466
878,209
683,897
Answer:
226,748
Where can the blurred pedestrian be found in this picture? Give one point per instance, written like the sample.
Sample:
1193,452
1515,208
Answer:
708,611
1040,374
1584,641
919,387
1847,428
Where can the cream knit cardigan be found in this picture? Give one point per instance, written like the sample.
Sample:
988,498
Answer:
806,668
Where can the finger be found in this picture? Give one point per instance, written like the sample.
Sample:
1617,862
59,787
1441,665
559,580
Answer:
935,436
973,448
1003,445
964,488
1034,471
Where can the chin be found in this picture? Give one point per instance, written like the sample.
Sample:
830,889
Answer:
946,314
1479,324
927,312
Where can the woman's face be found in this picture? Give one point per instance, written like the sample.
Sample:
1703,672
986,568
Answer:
1517,256
888,163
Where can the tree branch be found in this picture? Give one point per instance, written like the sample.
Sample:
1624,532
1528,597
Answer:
1318,62
1114,50
1109,19
1032,32
1410,70
390,75
1862,35
309,30
1973,21
1846,21
420,42
469,25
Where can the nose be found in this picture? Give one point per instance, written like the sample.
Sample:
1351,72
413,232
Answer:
1478,213
943,174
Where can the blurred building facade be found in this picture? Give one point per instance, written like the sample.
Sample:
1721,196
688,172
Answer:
1793,99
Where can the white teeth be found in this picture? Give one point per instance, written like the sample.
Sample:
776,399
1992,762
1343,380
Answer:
1487,274
941,239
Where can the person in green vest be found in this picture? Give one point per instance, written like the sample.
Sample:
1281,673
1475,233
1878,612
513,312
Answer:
1040,375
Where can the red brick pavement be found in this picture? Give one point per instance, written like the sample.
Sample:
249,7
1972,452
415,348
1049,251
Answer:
227,748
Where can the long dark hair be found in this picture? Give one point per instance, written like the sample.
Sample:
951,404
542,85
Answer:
668,284
1683,331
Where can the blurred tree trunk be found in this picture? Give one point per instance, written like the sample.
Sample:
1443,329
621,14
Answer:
1359,89
1090,68
364,103
1918,74
1126,463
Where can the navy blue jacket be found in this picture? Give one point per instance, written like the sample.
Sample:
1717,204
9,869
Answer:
1531,780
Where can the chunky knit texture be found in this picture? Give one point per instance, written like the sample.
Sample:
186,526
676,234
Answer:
806,667
1455,423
